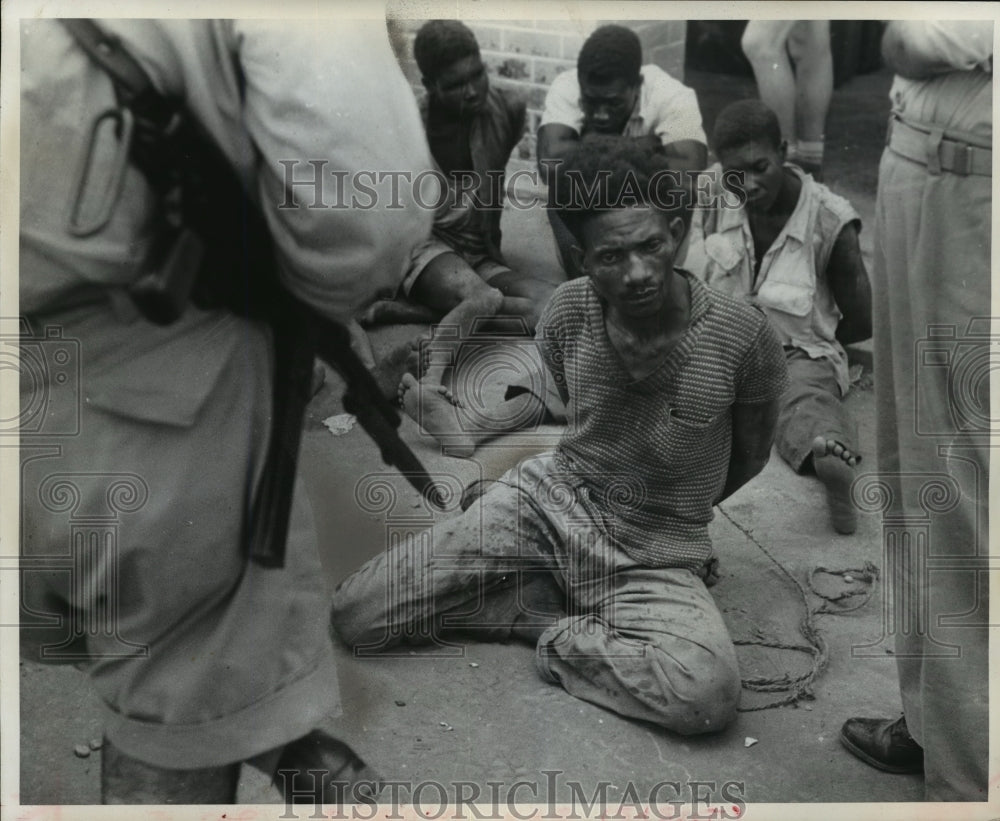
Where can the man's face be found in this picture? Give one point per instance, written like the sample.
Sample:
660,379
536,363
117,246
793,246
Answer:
629,255
461,88
761,163
607,106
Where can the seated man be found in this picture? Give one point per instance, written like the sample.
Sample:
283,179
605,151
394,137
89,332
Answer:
611,92
793,251
605,541
458,275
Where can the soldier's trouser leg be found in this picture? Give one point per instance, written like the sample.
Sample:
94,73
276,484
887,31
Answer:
930,274
127,780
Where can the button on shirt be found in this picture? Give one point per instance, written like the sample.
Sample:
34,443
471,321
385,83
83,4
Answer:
666,107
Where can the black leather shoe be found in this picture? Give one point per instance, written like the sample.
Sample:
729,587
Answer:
883,743
320,769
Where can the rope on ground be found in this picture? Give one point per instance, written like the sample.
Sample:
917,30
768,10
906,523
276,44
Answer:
799,688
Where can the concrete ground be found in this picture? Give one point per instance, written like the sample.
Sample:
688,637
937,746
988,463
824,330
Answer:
483,715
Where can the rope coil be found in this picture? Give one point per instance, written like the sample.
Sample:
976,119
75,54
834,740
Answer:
799,687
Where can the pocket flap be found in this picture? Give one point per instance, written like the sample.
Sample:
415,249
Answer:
785,296
722,251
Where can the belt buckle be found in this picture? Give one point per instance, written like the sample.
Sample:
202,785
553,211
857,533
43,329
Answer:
962,160
934,140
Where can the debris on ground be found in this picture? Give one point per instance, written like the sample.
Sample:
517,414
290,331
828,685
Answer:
81,751
340,423
749,741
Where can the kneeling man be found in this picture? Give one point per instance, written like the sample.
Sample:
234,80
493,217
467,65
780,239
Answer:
598,552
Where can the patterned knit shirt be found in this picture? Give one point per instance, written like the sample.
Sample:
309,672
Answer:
653,454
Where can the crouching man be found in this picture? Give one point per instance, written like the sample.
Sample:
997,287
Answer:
598,552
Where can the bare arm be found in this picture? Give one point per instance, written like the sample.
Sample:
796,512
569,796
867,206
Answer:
850,286
754,428
555,143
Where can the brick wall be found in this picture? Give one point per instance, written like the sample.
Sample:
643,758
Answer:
528,55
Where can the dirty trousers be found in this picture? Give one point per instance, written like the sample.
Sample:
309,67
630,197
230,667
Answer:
645,642
811,407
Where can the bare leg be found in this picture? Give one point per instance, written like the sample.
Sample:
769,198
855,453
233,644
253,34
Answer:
524,295
835,468
765,45
398,311
810,49
449,284
439,414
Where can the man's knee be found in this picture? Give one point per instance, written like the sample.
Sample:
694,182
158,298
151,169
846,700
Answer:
446,282
809,40
762,44
714,706
704,700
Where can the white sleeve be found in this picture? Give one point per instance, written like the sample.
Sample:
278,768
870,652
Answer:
673,108
962,44
334,94
562,103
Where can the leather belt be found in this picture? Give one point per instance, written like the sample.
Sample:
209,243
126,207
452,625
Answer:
928,146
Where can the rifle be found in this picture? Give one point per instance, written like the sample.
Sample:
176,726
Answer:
218,253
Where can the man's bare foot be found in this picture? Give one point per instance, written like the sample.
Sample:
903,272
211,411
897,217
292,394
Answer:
435,409
397,311
390,369
835,468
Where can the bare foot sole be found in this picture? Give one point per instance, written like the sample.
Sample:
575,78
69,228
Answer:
434,408
835,468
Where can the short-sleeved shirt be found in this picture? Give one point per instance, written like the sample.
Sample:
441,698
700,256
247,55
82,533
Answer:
791,286
666,107
653,454
960,101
